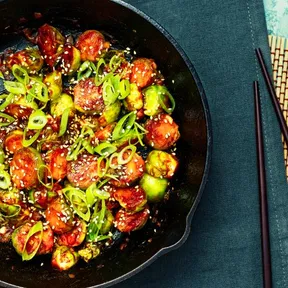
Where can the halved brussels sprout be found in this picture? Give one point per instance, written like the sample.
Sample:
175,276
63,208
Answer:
29,58
63,258
13,141
53,82
60,104
110,113
47,243
21,108
25,168
127,222
90,251
154,188
51,43
161,164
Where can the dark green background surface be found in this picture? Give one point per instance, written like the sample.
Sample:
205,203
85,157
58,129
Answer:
223,249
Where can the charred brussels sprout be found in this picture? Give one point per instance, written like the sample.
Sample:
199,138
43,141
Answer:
63,258
50,42
91,43
110,113
127,222
25,168
71,60
59,105
13,141
47,241
154,188
75,237
57,163
132,199
134,101
161,164
60,216
29,58
155,97
53,81
21,108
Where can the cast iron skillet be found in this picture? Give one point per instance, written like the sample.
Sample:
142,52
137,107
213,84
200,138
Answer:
133,29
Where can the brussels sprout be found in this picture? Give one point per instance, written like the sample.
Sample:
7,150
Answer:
57,163
90,251
162,132
29,58
63,258
110,113
108,222
13,141
127,222
154,188
132,199
134,101
51,43
75,237
39,197
59,105
152,104
11,196
24,168
71,60
143,72
53,81
91,43
60,216
5,180
21,108
161,164
88,97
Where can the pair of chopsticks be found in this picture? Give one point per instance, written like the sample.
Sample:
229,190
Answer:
266,257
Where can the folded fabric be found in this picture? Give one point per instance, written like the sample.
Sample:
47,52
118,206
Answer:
224,248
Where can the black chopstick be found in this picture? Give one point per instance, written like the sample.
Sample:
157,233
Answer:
266,258
272,93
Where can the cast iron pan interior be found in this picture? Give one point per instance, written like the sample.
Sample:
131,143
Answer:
130,28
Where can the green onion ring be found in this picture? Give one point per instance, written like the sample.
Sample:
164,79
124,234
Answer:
37,120
105,149
111,165
10,210
120,158
124,125
8,117
84,71
16,70
5,180
64,122
124,88
15,87
162,104
29,142
100,173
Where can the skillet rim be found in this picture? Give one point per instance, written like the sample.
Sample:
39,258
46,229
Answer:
205,105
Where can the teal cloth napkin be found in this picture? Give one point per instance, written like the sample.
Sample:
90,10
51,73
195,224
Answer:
224,247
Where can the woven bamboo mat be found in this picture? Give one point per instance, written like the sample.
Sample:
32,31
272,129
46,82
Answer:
279,58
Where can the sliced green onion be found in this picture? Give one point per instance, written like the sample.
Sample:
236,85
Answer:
101,173
120,157
141,127
115,62
20,74
84,71
124,125
37,120
102,183
99,79
9,211
15,87
86,144
9,119
5,180
74,195
168,110
124,88
102,194
64,122
90,196
38,227
87,131
2,156
39,91
105,149
74,150
111,89
1,75
111,165
29,142
7,101
48,186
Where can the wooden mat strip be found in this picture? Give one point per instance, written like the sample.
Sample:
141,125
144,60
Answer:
279,59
